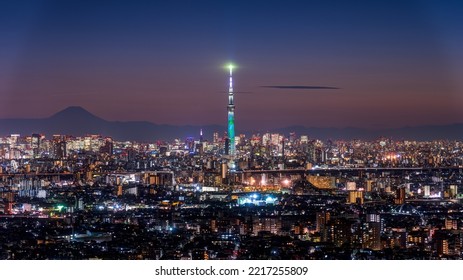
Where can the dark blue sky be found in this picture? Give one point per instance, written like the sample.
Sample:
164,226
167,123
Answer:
395,63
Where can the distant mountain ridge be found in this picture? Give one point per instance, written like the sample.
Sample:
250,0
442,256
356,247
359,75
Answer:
77,121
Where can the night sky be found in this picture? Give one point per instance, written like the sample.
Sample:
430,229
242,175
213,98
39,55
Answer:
313,63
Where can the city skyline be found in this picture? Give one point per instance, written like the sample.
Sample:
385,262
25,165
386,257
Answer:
245,130
375,65
69,122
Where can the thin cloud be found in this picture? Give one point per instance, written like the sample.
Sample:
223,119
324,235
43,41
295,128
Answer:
299,87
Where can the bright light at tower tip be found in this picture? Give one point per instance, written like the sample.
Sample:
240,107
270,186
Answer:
229,66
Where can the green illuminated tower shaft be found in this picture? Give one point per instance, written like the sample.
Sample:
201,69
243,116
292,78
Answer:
231,116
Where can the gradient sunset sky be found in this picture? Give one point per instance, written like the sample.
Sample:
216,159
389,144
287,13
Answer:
312,63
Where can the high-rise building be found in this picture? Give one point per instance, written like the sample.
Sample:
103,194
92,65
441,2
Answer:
400,196
453,190
108,147
35,144
9,198
322,220
266,139
451,224
442,246
340,231
372,232
269,224
427,191
369,185
355,197
292,137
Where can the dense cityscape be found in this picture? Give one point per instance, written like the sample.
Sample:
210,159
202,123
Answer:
289,197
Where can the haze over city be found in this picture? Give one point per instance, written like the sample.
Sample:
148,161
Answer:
313,63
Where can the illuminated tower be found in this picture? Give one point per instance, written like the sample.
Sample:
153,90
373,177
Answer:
231,118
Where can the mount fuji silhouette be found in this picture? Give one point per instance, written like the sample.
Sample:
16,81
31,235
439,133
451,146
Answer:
77,121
